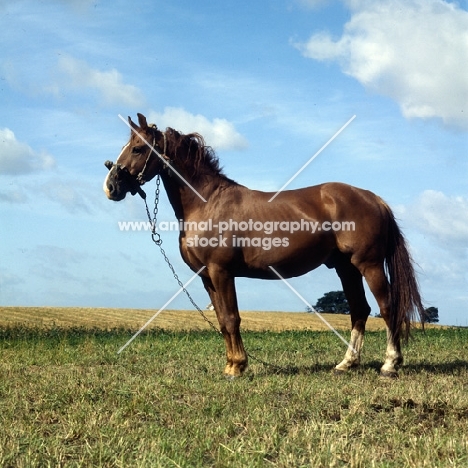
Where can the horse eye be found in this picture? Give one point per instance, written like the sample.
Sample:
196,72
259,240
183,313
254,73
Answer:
137,149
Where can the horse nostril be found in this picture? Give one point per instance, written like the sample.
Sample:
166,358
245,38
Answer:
110,187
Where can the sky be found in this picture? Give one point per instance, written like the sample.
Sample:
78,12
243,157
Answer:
267,83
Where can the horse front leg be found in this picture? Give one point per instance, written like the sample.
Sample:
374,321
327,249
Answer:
221,289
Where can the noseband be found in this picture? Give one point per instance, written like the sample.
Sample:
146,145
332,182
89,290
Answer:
139,179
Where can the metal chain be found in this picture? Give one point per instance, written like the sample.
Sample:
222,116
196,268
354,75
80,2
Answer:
158,241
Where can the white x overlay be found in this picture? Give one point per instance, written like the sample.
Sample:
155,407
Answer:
312,158
312,308
161,309
159,156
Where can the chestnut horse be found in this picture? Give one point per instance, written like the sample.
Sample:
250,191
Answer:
233,231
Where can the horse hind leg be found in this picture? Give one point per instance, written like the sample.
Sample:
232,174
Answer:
351,280
378,284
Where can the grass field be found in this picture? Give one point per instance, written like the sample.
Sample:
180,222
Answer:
68,399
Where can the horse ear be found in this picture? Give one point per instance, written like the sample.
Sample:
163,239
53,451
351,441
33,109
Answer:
142,121
132,124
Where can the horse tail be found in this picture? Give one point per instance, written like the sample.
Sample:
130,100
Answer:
405,299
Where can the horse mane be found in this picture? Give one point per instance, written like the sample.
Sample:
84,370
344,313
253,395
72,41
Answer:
191,151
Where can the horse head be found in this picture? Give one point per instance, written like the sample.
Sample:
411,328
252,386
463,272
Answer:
138,161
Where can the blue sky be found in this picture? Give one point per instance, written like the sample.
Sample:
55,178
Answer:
266,83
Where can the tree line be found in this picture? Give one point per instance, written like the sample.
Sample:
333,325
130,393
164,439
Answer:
335,302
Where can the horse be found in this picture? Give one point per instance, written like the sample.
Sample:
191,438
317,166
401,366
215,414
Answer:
229,231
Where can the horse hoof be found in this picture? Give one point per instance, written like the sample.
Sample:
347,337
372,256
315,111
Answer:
231,377
339,371
389,374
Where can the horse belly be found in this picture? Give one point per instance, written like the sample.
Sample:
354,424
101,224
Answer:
294,257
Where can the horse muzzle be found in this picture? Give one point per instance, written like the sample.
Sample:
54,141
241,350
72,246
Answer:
119,181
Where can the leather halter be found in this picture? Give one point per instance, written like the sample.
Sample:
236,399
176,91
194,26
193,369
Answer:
140,178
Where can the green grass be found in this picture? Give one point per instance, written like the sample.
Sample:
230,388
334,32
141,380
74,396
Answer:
68,399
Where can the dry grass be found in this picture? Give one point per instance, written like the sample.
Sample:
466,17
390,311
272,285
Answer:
170,319
67,398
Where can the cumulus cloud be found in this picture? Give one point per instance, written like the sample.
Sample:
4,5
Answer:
18,158
414,51
108,84
218,133
442,217
440,248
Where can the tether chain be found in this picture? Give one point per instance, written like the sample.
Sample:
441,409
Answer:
158,241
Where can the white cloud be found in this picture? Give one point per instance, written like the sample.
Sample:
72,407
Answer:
109,84
442,224
414,51
437,226
19,158
441,217
218,133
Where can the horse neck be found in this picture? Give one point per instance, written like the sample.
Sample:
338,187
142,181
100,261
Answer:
189,193
184,199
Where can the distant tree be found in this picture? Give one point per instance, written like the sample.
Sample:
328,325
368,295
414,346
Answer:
334,302
431,315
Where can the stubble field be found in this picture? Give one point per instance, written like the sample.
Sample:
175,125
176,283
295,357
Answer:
68,399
